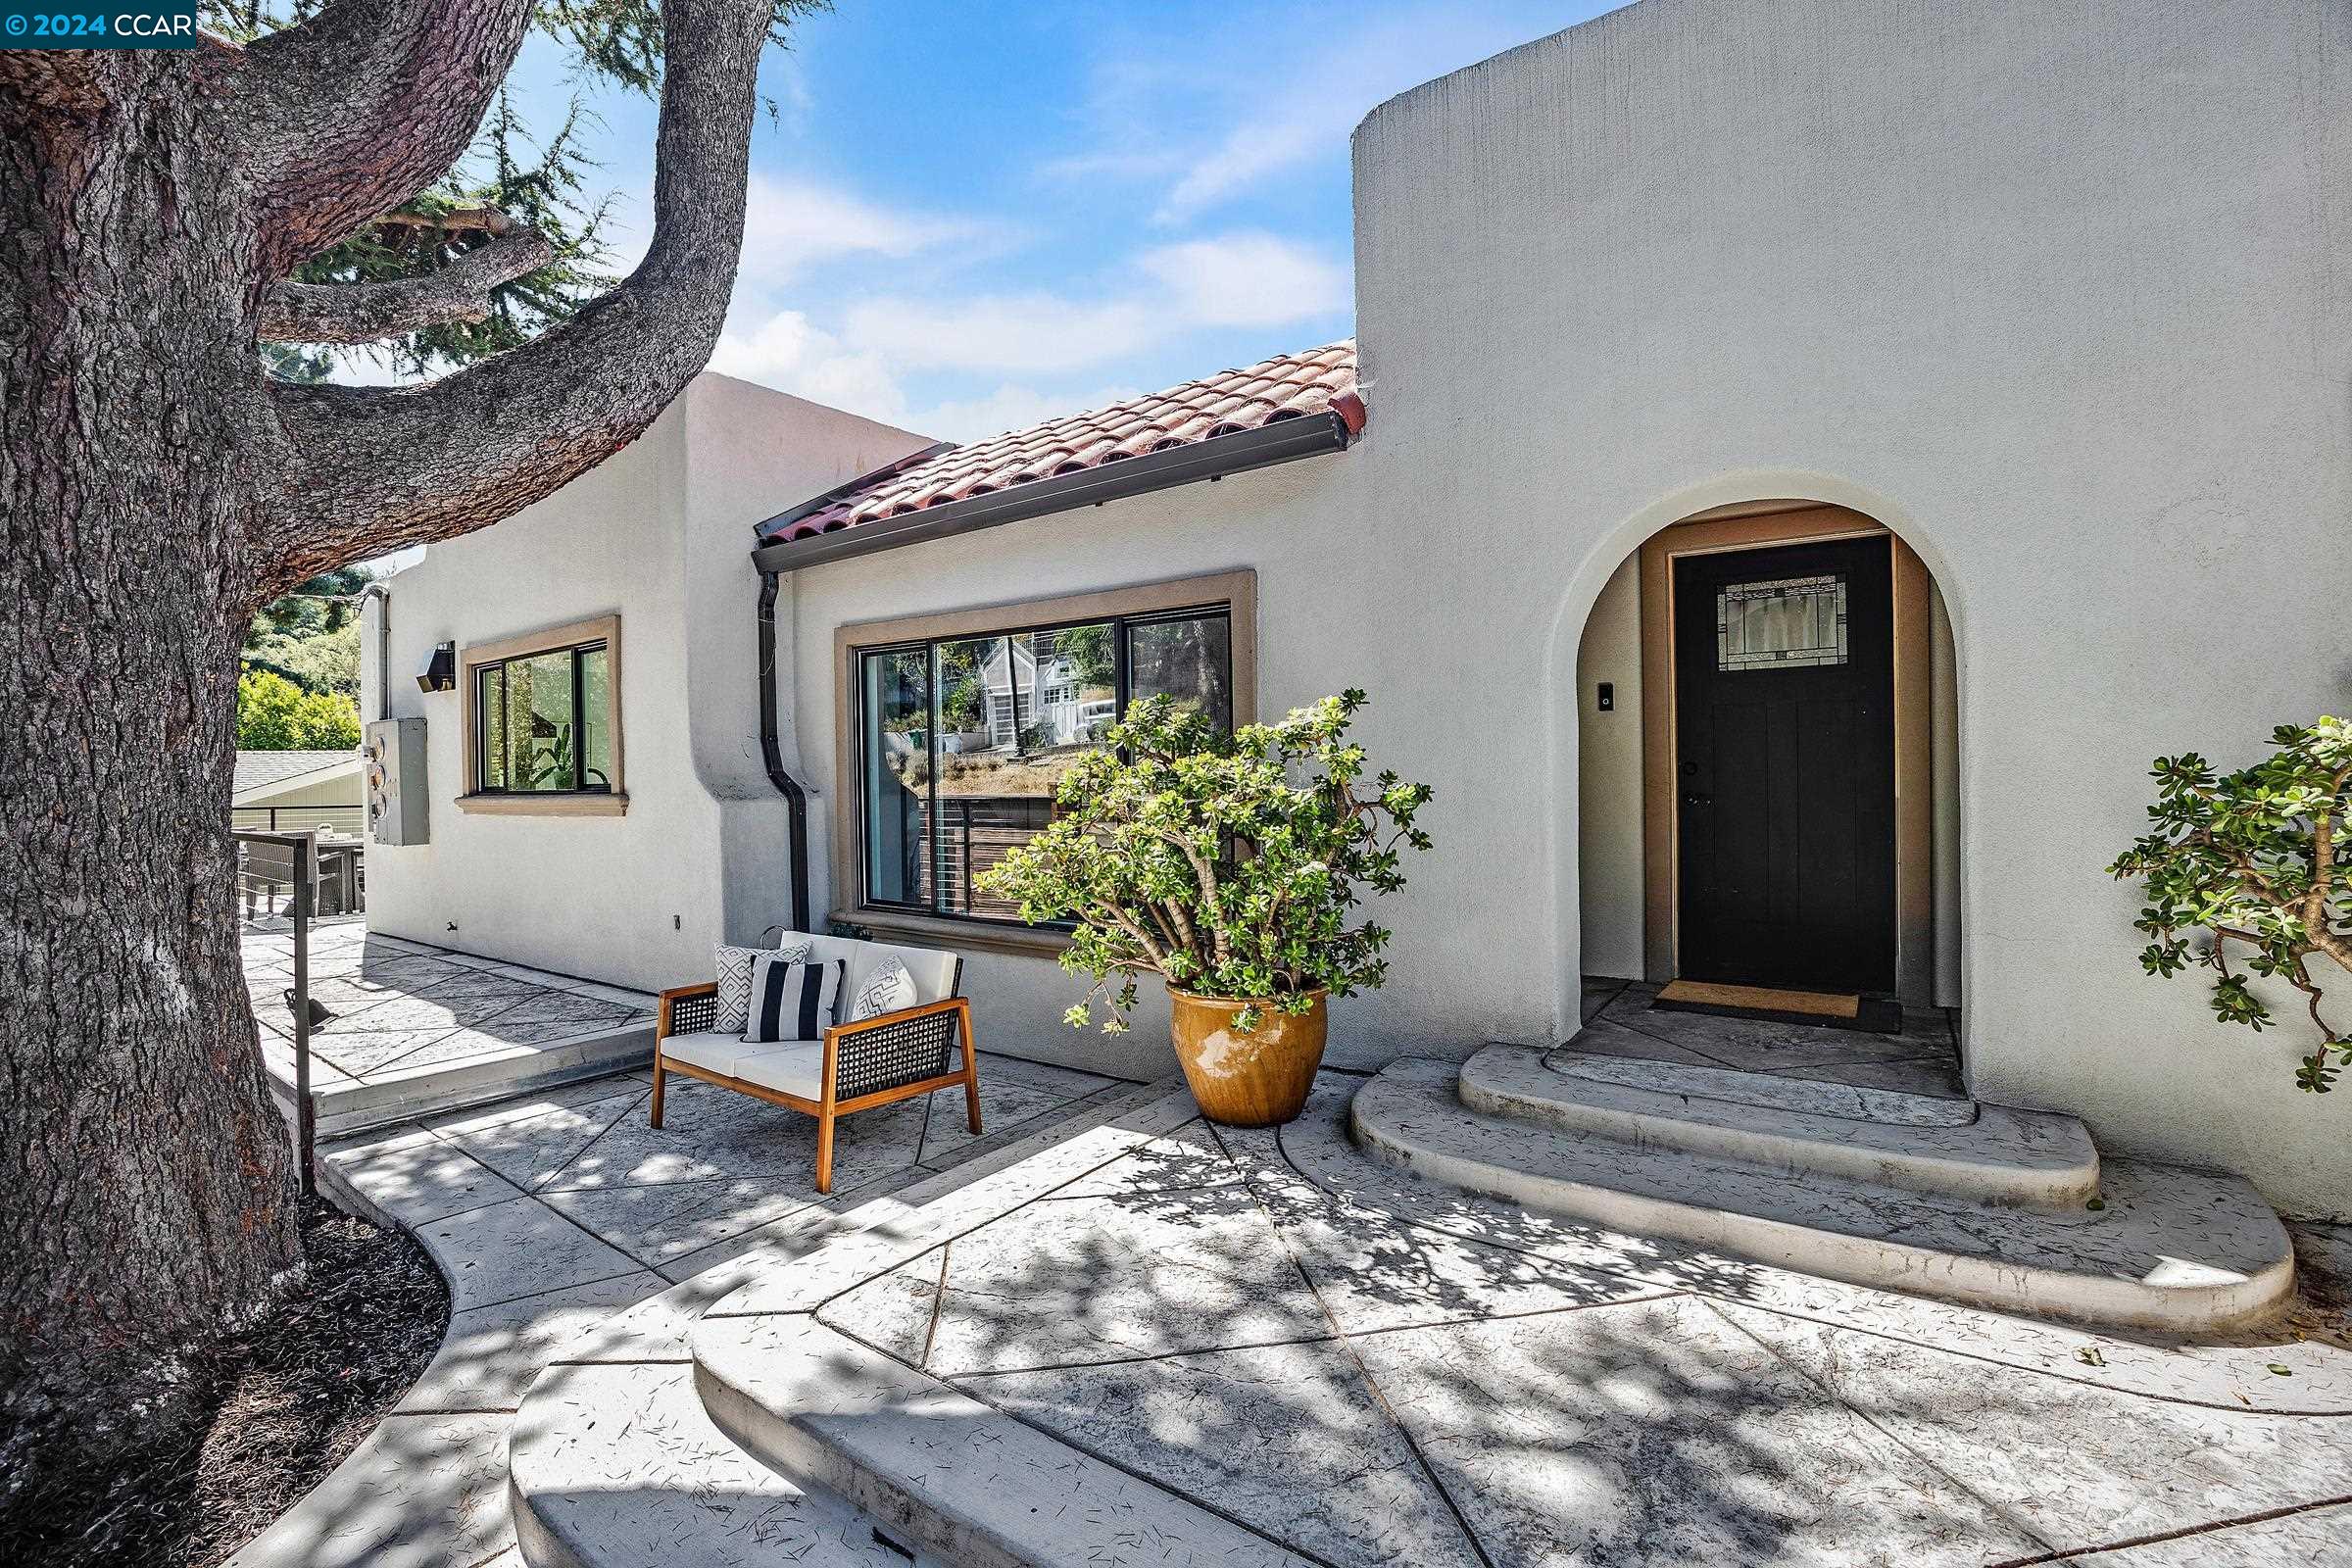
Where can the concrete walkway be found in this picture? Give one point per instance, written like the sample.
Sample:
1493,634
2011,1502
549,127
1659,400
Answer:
1273,1332
1109,1333
415,1028
552,1214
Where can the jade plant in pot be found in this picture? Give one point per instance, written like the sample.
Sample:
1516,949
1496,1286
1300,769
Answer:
1232,866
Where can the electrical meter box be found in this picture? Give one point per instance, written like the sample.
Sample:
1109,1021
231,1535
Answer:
394,756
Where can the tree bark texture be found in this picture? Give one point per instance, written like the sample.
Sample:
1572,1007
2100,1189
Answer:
157,490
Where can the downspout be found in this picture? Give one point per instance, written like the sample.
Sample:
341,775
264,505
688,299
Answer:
772,750
383,643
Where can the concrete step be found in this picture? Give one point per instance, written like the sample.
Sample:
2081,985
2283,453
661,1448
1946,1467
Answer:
616,1461
343,1105
617,1466
955,1478
2171,1250
1918,1143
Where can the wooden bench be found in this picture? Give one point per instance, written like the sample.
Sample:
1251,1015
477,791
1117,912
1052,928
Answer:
856,1066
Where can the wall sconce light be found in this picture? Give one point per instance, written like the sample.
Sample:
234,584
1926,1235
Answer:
440,672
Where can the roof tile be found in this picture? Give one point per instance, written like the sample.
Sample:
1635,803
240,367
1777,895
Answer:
1288,386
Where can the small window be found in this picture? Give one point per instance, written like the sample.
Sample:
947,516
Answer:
1786,623
542,722
962,740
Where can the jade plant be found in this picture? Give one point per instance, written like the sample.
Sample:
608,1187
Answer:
2261,859
1230,865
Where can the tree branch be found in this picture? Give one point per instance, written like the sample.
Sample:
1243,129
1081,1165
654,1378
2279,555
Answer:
61,81
358,109
364,313
375,469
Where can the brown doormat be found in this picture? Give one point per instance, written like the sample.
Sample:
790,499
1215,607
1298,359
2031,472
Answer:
1825,1009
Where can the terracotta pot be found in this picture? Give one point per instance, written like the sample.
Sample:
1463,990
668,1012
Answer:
1256,1079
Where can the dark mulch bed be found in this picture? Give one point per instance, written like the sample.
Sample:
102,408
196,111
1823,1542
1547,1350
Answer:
281,1405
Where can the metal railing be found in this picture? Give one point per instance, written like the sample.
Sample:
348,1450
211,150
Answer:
335,875
271,865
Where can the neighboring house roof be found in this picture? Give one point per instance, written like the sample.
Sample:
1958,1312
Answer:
1288,386
270,770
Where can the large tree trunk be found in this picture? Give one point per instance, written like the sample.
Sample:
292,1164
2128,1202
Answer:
146,1176
157,489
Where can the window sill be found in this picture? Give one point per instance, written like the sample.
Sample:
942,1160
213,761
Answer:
931,931
544,805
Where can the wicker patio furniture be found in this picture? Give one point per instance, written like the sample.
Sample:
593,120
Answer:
855,1066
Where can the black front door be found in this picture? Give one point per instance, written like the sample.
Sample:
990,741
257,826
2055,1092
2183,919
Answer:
1784,668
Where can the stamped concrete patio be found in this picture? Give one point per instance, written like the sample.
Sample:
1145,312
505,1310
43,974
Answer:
552,1212
416,1028
1109,1333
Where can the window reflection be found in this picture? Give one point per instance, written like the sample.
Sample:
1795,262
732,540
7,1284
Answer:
965,741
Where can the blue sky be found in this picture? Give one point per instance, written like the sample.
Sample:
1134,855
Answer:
968,216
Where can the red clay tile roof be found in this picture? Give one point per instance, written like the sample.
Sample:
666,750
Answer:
1288,386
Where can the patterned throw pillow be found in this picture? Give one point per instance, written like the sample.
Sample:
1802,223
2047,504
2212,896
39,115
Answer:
793,998
888,988
735,982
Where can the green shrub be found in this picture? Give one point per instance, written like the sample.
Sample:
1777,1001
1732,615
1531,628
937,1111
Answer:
274,715
1204,858
2260,858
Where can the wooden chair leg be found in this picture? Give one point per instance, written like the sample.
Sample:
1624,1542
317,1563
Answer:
825,1151
654,1113
971,1074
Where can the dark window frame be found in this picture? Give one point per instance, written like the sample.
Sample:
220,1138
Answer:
1231,595
576,653
574,638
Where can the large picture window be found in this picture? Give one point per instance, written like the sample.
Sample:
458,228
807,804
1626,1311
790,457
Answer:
542,721
961,737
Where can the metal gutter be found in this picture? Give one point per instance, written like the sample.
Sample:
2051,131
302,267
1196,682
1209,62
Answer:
784,519
771,752
1283,441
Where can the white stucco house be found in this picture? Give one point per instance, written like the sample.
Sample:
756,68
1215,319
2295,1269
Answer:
1971,373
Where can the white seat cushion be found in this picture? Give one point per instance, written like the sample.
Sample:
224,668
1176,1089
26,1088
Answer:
713,1050
794,1069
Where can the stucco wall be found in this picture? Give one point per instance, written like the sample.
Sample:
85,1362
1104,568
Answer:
1608,837
2058,292
1314,637
659,535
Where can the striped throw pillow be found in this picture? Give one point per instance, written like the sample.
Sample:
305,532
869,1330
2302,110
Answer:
734,966
793,998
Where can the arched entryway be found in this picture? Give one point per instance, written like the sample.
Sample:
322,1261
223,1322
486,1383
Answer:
1768,759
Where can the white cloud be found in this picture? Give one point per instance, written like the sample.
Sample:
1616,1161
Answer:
863,362
1214,117
789,352
1302,126
1015,333
790,226
1247,281
1011,408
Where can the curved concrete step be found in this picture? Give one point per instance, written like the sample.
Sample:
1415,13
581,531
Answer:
957,1479
2173,1250
617,1466
614,1460
1980,1153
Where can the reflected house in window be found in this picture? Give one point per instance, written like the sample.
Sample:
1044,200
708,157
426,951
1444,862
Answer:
964,739
1048,688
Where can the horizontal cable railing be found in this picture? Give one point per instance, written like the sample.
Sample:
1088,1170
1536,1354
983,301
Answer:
344,821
